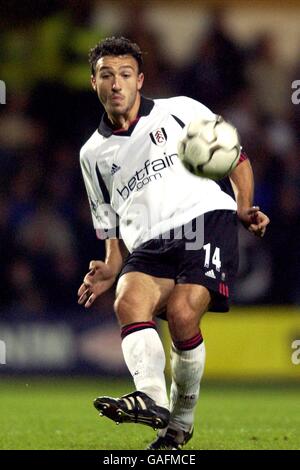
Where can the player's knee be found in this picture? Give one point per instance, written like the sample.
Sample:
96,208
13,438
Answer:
122,306
181,317
128,309
179,308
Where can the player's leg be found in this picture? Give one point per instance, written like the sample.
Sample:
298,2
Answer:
186,305
139,297
204,279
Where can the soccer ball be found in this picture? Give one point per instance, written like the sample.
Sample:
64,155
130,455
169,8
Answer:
209,148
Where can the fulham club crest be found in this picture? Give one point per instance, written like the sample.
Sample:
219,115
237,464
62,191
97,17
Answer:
159,137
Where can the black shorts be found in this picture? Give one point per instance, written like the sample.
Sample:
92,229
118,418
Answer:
203,252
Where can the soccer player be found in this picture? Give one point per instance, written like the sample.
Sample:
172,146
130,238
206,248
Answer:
180,231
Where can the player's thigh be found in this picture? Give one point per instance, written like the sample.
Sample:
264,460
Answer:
186,305
139,296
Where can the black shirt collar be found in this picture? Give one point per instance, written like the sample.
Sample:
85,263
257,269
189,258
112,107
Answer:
106,128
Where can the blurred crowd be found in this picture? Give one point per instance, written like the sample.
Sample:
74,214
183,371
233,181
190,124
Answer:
46,233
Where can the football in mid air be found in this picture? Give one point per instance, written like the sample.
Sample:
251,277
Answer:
209,148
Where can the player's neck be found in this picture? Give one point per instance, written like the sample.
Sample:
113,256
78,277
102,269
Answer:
124,121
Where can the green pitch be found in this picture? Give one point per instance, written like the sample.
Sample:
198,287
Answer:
58,414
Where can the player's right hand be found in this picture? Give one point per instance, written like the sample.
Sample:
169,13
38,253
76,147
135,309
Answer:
98,280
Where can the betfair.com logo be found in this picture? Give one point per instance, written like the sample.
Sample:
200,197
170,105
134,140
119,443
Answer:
2,92
2,352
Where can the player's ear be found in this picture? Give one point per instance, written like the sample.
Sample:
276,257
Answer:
93,82
140,81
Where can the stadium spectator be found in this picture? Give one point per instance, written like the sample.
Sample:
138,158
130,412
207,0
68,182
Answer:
269,79
216,74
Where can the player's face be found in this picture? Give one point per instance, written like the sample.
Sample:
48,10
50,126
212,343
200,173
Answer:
117,83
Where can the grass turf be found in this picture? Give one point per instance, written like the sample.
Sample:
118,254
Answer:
58,414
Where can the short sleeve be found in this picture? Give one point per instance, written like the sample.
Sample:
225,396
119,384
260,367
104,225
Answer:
105,219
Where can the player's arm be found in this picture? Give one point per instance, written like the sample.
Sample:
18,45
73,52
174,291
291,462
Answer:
243,183
102,274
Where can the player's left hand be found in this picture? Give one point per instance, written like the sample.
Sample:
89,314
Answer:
97,281
254,220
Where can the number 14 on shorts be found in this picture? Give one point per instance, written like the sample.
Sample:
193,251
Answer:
215,259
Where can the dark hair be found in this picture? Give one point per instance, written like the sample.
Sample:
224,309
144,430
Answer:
115,46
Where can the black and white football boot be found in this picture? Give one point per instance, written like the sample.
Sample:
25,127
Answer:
171,439
136,407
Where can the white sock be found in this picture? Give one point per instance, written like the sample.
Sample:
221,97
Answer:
187,370
145,358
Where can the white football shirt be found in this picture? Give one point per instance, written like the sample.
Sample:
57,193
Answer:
135,180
